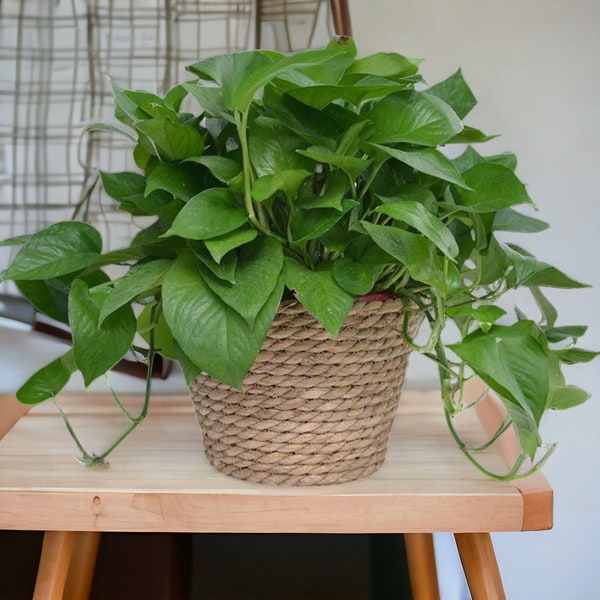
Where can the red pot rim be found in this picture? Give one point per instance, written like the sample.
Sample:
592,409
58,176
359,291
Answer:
375,297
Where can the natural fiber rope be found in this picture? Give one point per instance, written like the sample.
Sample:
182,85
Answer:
314,410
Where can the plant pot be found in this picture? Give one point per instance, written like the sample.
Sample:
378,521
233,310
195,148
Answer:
314,410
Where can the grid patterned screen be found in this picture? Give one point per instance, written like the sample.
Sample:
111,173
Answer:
54,59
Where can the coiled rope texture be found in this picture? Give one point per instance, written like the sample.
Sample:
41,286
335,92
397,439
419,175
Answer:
314,410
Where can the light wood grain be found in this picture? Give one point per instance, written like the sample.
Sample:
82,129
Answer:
422,570
53,569
159,479
83,562
481,569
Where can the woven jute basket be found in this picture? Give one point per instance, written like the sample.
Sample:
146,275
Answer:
314,410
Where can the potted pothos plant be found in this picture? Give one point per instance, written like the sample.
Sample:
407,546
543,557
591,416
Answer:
318,179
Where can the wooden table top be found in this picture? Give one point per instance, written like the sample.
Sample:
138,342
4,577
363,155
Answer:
160,480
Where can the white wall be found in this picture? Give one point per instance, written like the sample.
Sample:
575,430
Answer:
533,65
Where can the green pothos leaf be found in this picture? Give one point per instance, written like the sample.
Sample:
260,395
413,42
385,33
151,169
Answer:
517,368
49,380
512,362
417,216
529,271
572,355
565,332
417,253
492,188
17,240
350,164
56,250
222,167
320,294
356,278
181,180
414,118
139,279
175,141
209,214
97,347
286,181
485,315
456,92
219,246
213,335
272,148
426,160
313,223
567,396
338,53
385,64
257,274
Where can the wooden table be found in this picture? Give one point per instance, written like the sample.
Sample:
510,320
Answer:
160,481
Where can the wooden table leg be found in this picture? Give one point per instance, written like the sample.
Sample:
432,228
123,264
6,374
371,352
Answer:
66,566
81,573
55,560
480,566
421,566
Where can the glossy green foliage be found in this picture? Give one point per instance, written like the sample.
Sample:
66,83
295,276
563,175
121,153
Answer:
313,175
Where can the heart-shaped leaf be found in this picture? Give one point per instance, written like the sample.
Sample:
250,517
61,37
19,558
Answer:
512,362
320,294
529,271
286,181
48,381
273,146
98,347
414,118
492,187
140,278
567,396
386,64
417,216
455,91
221,245
338,54
508,219
427,160
356,278
182,180
350,164
212,334
223,168
312,224
175,141
54,251
209,214
257,274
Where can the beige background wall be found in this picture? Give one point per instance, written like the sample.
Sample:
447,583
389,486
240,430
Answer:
534,65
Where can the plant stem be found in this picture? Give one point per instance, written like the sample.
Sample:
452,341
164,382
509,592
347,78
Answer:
437,325
143,414
513,473
503,427
259,221
370,179
94,460
86,459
